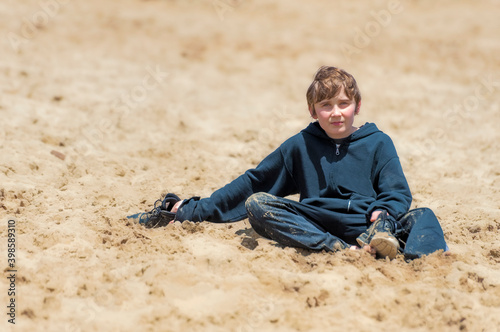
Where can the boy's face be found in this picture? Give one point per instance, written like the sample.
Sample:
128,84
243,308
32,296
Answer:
336,115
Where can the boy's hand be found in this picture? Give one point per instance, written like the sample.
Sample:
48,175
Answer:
176,206
375,215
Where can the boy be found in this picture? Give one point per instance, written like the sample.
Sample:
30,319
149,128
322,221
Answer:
351,185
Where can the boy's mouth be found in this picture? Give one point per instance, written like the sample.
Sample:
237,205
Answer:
336,123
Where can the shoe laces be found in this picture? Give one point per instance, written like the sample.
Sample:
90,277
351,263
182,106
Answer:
149,217
387,223
161,208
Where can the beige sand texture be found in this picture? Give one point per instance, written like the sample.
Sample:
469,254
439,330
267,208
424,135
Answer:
106,104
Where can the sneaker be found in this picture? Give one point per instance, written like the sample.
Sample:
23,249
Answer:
160,215
380,237
385,244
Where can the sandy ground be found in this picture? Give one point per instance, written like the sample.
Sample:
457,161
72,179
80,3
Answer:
106,104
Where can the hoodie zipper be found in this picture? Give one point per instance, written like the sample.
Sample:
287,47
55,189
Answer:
337,152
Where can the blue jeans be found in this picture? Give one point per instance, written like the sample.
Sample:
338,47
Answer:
281,220
420,233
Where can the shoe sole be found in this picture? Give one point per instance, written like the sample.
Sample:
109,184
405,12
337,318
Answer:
385,244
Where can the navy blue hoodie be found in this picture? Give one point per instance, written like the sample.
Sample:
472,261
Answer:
340,183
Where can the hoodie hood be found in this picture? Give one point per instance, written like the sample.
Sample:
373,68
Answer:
365,130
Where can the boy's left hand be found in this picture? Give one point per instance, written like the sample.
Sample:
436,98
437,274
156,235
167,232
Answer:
375,215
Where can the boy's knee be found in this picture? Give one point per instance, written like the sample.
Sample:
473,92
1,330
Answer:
427,211
417,214
256,209
423,210
424,213
255,201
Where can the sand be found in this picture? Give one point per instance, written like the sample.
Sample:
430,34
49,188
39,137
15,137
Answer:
107,104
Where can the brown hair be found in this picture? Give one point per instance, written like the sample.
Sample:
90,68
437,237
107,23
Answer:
327,83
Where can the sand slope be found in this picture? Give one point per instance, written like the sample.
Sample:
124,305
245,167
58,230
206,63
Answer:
106,104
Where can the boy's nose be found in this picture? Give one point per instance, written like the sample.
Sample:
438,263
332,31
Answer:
335,111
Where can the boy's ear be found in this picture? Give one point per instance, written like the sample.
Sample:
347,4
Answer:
358,107
313,113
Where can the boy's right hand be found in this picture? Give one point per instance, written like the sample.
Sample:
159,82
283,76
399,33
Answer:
176,206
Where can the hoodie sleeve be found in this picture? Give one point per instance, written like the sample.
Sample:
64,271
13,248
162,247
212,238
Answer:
393,192
228,203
